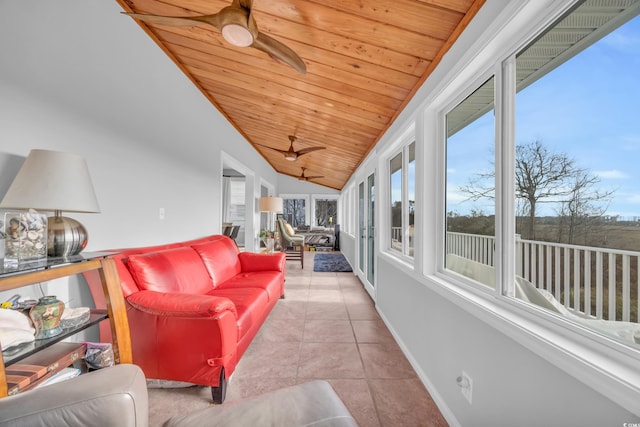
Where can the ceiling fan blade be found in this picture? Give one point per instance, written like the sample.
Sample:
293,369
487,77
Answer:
271,148
247,4
177,21
279,51
309,150
302,176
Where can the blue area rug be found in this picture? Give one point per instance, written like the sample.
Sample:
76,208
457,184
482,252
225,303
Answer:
331,262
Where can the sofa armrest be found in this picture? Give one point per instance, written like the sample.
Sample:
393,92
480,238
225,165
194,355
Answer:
250,261
117,395
180,304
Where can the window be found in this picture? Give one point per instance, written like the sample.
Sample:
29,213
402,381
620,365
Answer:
294,209
402,192
395,169
347,210
576,177
411,197
325,211
470,184
344,209
568,176
264,216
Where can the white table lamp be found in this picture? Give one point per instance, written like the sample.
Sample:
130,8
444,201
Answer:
56,182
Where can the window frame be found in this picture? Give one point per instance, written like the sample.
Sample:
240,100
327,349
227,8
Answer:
306,203
400,146
441,125
316,197
390,201
599,362
345,209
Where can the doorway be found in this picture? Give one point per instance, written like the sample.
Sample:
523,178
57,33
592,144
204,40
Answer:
238,199
233,205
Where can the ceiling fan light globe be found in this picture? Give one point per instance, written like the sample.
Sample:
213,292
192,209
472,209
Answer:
291,157
237,35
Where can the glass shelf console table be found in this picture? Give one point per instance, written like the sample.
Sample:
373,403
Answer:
55,268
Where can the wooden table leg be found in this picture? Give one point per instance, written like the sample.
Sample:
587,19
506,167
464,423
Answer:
117,310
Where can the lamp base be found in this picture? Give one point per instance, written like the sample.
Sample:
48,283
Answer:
65,236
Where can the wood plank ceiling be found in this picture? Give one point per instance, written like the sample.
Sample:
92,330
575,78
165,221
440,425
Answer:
365,59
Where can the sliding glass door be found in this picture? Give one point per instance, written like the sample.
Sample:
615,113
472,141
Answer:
366,231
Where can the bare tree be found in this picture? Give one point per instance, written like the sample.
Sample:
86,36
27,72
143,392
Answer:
543,177
584,206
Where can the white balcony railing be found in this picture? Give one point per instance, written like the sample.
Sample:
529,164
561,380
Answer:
396,240
598,282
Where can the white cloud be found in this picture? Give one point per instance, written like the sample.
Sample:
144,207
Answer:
612,174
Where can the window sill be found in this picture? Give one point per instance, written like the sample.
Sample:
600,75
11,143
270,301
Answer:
395,256
609,367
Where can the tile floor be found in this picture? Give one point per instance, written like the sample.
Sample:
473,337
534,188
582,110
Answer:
325,328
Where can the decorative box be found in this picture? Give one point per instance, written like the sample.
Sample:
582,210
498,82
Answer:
38,367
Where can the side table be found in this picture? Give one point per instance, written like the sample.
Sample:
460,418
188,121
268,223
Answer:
55,268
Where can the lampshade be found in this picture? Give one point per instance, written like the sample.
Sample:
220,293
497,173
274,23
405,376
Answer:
51,181
270,204
55,181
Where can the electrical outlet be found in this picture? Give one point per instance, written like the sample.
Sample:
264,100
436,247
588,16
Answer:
466,385
161,214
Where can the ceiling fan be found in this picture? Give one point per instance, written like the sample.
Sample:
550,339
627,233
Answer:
307,178
291,154
237,26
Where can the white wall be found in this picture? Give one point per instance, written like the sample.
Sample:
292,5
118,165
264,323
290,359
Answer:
511,384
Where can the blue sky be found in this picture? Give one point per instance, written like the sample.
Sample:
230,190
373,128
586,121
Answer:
588,108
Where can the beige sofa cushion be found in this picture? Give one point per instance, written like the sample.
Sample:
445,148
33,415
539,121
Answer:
312,403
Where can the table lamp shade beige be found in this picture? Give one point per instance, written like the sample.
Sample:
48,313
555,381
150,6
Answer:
55,181
270,204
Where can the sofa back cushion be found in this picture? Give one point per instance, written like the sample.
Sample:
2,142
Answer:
171,270
220,258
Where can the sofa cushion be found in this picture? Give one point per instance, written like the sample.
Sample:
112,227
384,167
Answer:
171,270
251,303
313,403
250,261
270,281
220,259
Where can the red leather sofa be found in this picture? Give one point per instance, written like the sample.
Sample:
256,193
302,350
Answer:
194,307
